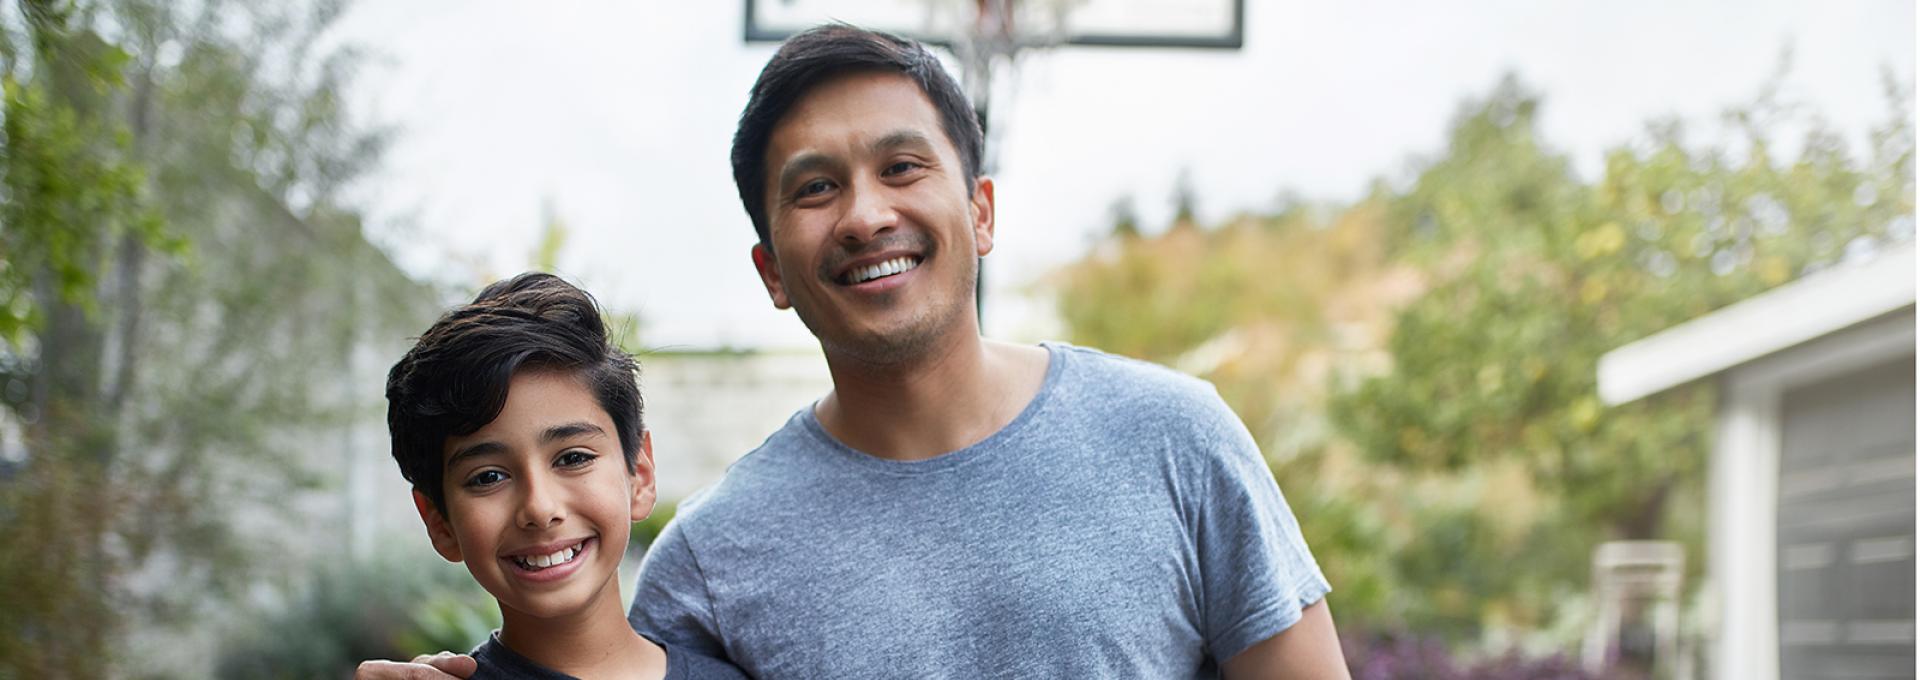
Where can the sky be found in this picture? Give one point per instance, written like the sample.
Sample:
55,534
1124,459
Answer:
616,117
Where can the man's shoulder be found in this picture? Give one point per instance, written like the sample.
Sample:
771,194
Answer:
1168,415
1113,380
777,464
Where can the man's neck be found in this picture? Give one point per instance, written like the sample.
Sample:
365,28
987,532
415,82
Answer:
596,642
949,398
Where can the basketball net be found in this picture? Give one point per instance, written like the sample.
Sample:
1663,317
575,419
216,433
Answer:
989,38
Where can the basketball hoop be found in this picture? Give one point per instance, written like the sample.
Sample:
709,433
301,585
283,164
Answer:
987,36
992,41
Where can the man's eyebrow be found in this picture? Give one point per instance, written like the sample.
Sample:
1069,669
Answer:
899,138
569,431
486,448
803,164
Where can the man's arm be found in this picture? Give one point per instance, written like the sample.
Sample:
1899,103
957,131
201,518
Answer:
442,666
1307,650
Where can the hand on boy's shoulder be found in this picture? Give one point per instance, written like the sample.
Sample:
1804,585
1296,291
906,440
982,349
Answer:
442,666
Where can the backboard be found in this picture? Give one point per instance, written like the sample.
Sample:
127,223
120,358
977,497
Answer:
1206,24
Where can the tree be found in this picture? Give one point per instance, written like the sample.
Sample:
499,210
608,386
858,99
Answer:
1420,365
1536,274
198,291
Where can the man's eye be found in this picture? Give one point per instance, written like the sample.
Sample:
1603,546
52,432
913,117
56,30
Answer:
902,166
485,478
818,186
575,459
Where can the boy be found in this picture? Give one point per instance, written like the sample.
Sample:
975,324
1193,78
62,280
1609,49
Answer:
519,425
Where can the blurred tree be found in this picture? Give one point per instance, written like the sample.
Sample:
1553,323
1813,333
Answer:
388,607
174,391
1535,274
1420,365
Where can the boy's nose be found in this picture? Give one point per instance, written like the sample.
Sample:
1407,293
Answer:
539,508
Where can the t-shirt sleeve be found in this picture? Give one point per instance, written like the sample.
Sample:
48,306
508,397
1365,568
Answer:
671,602
1256,572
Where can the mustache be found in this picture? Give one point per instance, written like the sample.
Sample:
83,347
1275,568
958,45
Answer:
837,259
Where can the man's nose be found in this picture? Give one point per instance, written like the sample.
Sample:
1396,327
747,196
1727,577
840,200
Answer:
870,213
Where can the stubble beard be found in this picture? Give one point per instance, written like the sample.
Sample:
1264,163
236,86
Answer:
912,341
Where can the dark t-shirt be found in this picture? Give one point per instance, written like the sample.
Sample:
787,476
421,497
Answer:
499,663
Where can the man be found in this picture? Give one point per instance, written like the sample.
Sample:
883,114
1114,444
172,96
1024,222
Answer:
958,507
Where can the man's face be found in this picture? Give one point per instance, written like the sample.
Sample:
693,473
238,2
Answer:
540,501
873,233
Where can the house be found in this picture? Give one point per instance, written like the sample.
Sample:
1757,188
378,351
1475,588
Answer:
1810,556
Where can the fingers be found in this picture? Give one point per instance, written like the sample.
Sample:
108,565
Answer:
456,665
442,666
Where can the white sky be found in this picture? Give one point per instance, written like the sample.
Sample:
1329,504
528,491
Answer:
620,114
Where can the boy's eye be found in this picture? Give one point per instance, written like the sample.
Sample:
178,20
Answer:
574,459
485,478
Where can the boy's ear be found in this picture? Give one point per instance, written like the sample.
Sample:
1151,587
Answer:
770,276
642,478
438,530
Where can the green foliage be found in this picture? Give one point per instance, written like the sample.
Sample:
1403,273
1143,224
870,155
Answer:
181,294
384,608
1420,366
63,184
646,531
1535,274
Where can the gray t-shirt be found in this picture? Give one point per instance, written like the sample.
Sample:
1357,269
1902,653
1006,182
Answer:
1124,525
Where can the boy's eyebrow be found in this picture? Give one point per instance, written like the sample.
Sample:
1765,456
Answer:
551,435
569,431
485,448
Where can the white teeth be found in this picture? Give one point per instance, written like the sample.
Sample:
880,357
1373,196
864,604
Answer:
887,268
562,556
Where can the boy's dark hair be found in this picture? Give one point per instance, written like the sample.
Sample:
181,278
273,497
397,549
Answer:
822,52
454,380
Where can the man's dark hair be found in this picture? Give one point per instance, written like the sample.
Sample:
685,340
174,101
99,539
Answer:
454,380
820,53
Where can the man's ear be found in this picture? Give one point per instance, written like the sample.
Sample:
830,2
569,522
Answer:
770,276
438,530
642,477
982,216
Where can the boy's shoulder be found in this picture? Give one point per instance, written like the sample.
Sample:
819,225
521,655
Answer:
497,662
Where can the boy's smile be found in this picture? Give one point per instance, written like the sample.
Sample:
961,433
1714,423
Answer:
539,501
549,562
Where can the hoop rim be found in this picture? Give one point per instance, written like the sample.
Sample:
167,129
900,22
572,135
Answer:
1232,39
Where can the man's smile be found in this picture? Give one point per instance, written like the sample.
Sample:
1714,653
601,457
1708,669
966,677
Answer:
885,268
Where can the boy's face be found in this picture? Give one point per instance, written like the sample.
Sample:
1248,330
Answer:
543,484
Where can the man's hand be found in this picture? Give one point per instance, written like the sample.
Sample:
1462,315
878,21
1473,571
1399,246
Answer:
442,666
